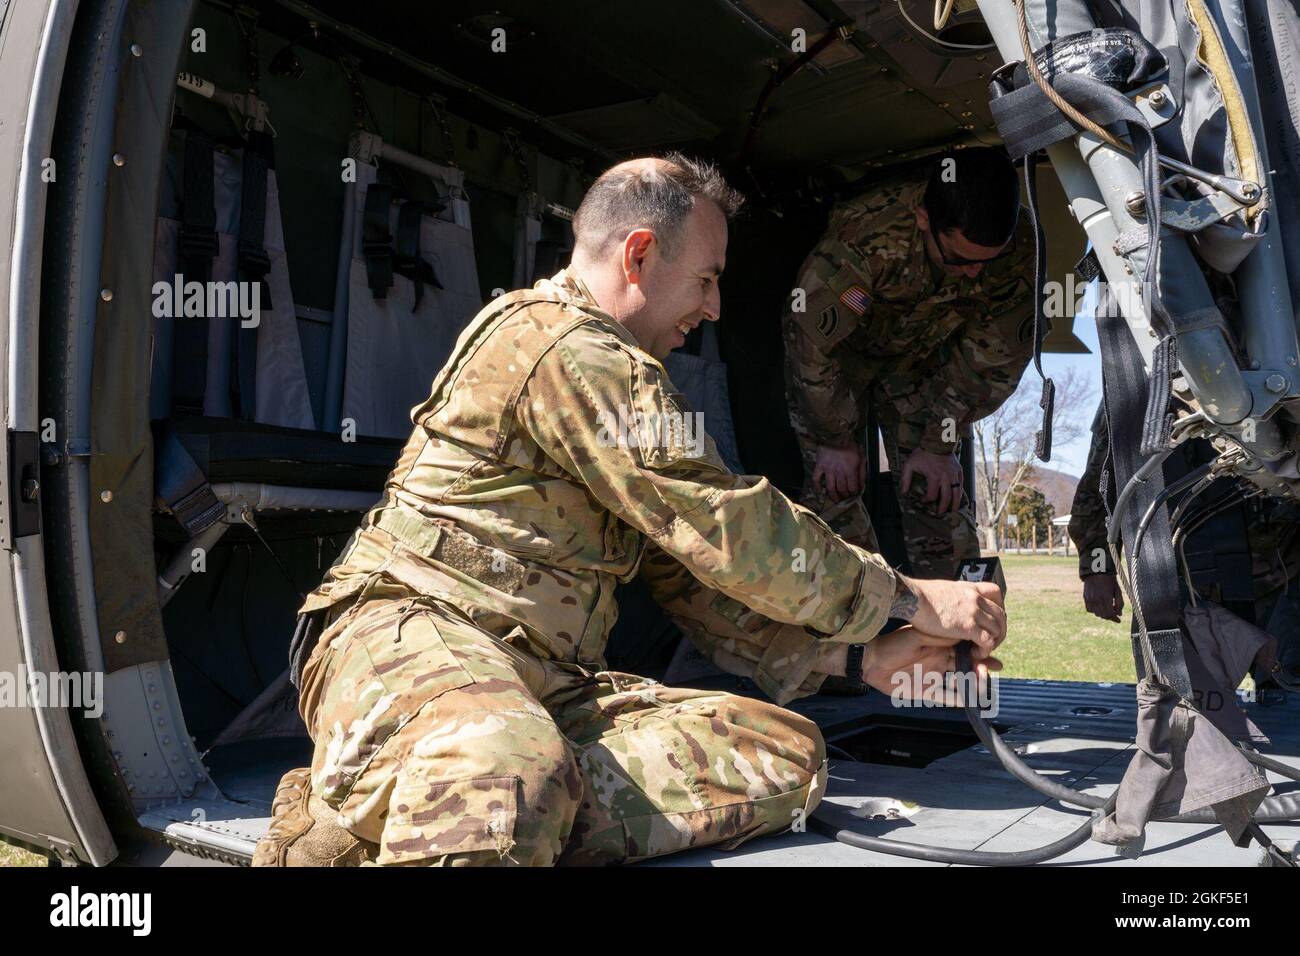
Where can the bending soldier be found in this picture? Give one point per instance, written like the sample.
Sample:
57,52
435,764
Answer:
917,300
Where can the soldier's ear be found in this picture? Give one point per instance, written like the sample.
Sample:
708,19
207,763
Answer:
636,249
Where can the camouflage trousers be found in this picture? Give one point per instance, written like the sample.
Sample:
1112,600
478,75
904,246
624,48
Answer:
935,544
437,743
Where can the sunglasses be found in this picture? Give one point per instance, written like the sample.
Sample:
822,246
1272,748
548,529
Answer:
949,260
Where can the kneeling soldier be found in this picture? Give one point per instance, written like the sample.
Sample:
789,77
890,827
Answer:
457,696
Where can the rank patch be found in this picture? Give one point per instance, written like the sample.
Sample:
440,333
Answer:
827,321
855,299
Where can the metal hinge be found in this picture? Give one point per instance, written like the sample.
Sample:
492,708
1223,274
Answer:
23,488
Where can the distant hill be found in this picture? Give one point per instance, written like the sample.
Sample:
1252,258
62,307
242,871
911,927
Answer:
1057,487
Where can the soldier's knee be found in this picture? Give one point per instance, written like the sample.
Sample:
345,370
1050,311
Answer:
792,742
516,807
791,764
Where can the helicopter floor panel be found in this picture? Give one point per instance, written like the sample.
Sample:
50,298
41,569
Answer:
1082,734
915,775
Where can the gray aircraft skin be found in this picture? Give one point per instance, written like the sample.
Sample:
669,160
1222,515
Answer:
163,643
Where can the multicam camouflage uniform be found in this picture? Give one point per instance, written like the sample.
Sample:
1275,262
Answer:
1274,544
1088,510
931,352
458,700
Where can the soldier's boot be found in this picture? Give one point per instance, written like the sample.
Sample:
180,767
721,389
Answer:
305,831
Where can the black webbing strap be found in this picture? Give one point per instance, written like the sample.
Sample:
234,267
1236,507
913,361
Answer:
1158,423
1047,401
1154,575
253,266
377,240
306,635
197,248
181,484
1028,121
407,262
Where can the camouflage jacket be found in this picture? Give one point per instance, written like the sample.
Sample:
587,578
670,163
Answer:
1088,510
551,461
1273,535
879,320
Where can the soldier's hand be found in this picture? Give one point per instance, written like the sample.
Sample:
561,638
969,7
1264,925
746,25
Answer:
842,470
961,611
943,479
890,664
1102,596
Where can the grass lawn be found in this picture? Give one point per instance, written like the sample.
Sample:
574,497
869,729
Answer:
12,856
1049,634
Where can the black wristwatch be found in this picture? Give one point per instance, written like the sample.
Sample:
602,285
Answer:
853,667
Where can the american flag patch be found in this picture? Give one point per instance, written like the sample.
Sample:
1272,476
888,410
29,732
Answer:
855,299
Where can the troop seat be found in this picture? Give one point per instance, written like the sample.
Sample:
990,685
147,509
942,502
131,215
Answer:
228,451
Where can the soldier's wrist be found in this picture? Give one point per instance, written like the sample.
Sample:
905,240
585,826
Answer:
833,661
937,447
841,441
1095,560
905,602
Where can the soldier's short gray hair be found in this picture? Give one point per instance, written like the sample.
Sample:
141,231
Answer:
650,194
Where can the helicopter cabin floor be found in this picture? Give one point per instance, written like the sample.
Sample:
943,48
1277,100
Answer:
914,775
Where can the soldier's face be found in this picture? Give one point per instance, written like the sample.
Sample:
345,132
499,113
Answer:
675,295
953,251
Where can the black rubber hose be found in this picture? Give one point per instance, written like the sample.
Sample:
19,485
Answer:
934,854
1268,763
1278,808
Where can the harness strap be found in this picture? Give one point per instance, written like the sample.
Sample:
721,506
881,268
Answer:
197,248
1047,402
253,264
377,240
407,261
1154,573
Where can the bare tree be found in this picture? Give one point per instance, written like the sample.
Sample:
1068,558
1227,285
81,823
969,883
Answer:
1004,441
